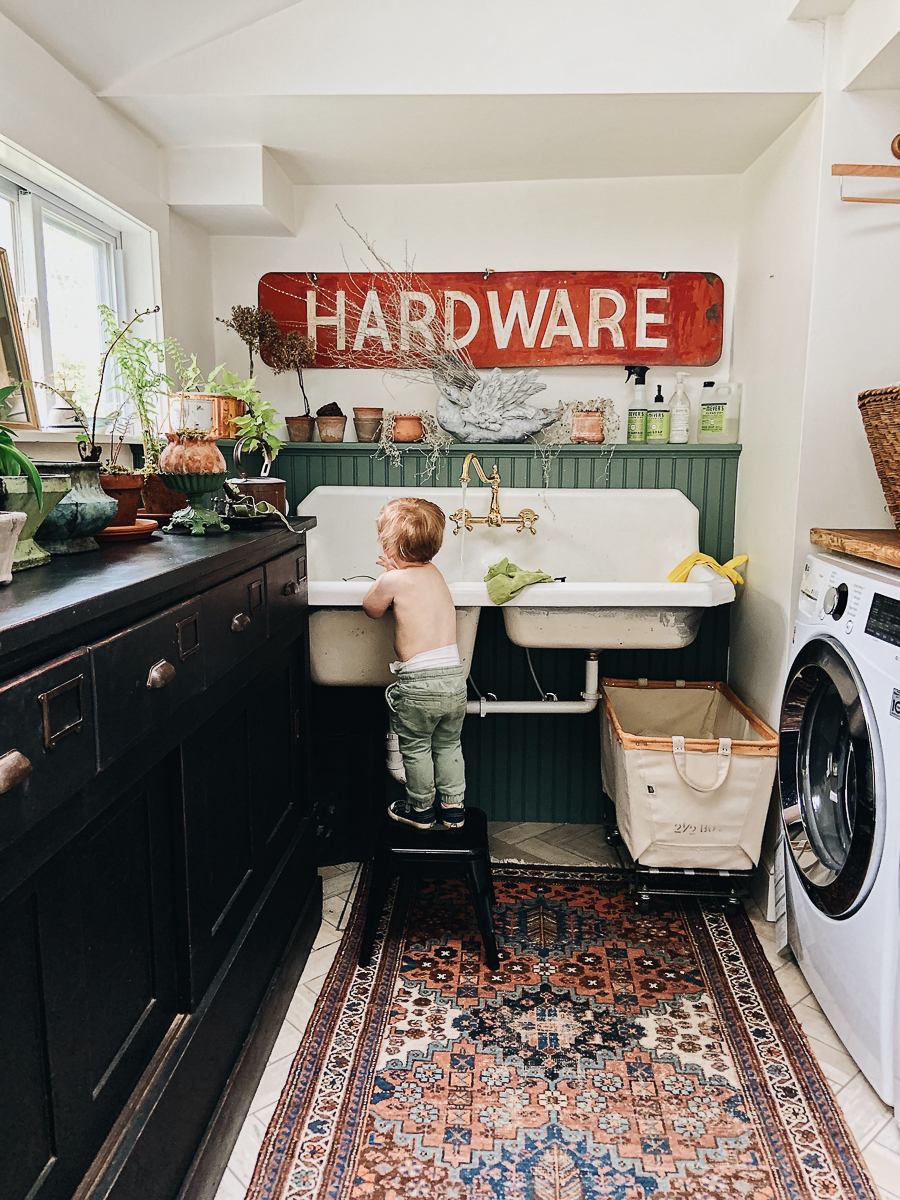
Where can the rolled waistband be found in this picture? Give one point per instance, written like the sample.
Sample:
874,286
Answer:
432,673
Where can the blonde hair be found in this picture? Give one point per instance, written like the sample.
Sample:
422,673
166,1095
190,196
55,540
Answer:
412,527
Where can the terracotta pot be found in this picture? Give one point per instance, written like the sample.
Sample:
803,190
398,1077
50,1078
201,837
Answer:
157,498
187,455
300,429
368,412
331,429
368,429
408,429
127,490
587,427
83,512
10,527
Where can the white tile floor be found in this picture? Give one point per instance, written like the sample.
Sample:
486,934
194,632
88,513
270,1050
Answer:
871,1121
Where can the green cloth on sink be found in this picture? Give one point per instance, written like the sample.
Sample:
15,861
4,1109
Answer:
505,580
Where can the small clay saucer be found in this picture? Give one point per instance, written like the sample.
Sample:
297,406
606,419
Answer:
127,533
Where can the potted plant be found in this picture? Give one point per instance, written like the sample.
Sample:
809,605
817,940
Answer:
192,464
592,420
407,427
27,494
13,462
330,422
140,378
292,352
193,407
255,327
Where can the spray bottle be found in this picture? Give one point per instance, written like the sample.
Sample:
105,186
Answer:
680,410
637,409
658,420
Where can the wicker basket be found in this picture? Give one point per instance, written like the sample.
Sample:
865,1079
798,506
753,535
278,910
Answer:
880,409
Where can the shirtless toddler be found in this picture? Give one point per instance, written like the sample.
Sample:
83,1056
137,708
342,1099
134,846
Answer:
428,701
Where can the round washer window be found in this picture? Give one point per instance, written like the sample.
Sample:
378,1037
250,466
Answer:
826,774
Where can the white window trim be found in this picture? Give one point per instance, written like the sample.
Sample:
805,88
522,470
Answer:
135,249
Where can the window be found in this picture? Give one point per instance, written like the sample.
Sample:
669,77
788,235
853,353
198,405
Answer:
64,266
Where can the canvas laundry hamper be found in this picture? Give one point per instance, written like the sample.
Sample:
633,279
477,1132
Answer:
690,770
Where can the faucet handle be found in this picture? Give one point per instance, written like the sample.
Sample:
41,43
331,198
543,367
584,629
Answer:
462,517
527,518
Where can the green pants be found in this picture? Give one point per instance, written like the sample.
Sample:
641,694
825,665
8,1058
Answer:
427,712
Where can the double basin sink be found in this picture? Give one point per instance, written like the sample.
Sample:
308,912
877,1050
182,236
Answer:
609,552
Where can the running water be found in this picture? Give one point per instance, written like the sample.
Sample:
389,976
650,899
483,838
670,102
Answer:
462,532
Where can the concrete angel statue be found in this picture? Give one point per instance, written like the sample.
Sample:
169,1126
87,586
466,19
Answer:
491,408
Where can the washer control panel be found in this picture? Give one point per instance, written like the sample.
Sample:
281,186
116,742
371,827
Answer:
829,594
884,619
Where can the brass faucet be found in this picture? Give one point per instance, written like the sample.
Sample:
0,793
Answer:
495,519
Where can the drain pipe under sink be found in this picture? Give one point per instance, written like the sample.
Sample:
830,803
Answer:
588,702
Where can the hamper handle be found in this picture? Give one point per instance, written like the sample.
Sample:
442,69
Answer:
724,757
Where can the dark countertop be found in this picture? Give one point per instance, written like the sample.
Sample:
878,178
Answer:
74,599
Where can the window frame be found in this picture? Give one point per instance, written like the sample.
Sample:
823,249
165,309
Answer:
32,205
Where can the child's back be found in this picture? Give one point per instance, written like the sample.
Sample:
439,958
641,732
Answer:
424,616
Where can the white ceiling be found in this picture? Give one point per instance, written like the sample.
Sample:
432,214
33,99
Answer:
109,39
817,10
449,139
419,91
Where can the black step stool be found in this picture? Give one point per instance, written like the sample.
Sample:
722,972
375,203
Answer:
435,853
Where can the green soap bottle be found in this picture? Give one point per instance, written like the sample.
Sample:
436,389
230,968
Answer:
637,408
658,419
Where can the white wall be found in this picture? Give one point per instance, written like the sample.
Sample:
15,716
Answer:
816,320
855,317
687,223
777,241
52,117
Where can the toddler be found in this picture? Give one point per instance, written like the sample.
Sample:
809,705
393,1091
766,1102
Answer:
428,701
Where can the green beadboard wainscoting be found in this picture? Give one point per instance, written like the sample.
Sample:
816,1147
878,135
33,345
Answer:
521,768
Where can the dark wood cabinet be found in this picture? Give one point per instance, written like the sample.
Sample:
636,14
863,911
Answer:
158,890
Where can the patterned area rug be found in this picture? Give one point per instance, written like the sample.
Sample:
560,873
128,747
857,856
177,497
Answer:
612,1056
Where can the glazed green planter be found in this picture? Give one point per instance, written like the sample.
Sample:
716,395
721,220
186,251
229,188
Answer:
16,494
70,527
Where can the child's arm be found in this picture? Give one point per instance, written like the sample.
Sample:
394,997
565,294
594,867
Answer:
380,596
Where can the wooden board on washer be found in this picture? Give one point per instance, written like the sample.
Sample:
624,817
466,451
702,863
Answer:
876,545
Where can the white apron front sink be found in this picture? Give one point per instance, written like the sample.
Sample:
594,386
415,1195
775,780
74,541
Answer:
613,547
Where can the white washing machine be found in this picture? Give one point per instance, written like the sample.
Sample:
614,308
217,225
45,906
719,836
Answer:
839,776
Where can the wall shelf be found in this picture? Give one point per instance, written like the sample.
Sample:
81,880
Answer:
866,171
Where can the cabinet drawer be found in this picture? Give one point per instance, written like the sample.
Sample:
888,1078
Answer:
234,621
286,586
144,673
46,741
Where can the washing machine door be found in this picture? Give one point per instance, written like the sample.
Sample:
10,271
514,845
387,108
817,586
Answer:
827,777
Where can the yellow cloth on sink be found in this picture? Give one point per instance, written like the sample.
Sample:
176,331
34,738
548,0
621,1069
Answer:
505,580
681,572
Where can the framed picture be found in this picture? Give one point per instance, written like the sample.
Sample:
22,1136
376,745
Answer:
19,411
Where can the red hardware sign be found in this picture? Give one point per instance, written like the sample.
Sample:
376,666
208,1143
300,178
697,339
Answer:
509,319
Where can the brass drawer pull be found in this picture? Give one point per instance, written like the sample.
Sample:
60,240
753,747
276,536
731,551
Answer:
45,699
240,623
161,673
291,588
14,769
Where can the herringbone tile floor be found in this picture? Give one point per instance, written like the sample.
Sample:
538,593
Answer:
870,1120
